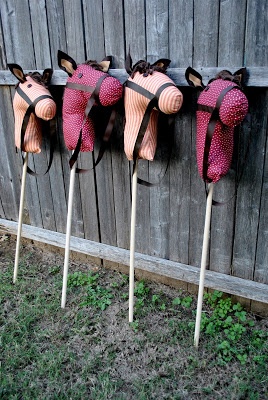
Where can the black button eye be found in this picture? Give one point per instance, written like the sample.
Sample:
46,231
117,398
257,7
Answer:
30,85
80,75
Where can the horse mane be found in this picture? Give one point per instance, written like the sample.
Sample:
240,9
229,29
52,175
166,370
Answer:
94,64
37,77
227,76
145,68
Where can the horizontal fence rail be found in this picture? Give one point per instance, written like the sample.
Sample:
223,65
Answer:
256,76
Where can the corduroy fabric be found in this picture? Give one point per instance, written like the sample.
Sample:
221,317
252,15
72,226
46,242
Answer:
170,102
44,109
233,110
75,101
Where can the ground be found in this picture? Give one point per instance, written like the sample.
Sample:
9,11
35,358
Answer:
88,350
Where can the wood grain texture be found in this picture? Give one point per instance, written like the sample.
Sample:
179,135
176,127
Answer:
208,35
250,187
9,175
230,52
181,26
113,16
157,47
214,280
257,76
206,27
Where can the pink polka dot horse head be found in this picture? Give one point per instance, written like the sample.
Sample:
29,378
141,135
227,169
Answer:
220,107
87,83
148,90
32,102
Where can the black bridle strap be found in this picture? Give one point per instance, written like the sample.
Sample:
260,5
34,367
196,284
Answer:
214,118
145,120
26,118
139,89
94,98
78,86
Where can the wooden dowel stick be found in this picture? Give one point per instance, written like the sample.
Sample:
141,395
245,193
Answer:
203,264
22,195
68,235
132,241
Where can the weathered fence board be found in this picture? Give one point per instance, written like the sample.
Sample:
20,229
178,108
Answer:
170,217
165,268
230,52
257,76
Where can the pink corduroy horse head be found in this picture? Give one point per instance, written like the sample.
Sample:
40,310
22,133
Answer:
32,102
85,81
148,90
220,107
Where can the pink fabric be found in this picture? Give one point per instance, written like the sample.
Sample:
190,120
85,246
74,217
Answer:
170,102
75,101
45,109
233,110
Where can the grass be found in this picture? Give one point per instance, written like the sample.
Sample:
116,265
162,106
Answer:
90,351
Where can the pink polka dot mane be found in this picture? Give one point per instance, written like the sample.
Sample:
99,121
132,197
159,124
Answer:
221,106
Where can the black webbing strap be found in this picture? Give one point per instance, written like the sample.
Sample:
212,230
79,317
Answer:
153,103
26,118
94,98
214,118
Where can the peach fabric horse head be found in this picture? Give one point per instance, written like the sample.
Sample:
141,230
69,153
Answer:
148,90
32,102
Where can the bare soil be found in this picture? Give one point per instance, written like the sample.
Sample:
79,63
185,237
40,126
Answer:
105,356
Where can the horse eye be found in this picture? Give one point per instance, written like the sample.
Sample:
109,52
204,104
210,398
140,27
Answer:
80,75
30,85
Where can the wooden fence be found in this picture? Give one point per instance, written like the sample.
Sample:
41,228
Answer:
205,34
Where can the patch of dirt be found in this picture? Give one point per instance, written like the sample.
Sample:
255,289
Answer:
155,354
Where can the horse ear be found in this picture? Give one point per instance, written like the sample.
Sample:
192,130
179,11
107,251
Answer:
128,63
66,63
17,71
105,63
241,75
47,75
162,63
194,78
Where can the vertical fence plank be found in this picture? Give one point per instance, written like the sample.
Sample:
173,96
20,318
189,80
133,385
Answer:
85,196
250,193
256,53
157,47
180,53
205,40
230,55
112,16
16,25
135,10
93,29
9,166
56,29
9,175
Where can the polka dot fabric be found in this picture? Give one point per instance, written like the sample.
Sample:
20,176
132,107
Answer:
233,110
75,101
